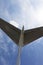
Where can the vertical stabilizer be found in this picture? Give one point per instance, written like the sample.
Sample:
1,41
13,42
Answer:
21,40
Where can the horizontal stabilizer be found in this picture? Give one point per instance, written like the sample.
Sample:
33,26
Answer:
11,31
32,34
14,33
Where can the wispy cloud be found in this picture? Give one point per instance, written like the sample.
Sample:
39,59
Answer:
6,43
31,16
3,61
26,12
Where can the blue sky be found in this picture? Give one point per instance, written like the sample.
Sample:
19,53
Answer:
21,12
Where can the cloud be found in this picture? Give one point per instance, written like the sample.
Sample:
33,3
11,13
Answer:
39,15
31,17
26,12
6,43
4,62
14,23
